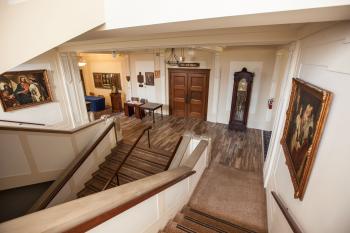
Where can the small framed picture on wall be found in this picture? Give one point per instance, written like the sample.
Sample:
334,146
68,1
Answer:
149,78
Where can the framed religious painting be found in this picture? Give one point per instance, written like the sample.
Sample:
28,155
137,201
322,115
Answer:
21,89
306,117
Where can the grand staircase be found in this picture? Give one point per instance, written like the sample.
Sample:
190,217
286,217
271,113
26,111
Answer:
190,220
141,162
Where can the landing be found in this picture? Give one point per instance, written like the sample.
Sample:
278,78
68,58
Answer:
232,187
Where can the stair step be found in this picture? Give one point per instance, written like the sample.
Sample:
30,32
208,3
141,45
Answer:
110,165
174,227
195,225
85,192
155,158
103,174
133,172
215,223
153,151
144,165
124,179
95,184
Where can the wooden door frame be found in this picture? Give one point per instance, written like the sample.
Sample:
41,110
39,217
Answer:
206,71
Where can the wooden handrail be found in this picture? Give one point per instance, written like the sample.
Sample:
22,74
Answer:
196,154
174,152
23,122
85,213
293,225
127,156
131,203
56,131
53,190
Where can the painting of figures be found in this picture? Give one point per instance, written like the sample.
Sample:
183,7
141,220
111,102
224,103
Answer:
307,111
21,89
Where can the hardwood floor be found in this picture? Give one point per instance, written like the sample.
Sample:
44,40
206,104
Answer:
241,150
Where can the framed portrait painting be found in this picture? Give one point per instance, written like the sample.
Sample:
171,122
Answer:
21,89
306,117
149,78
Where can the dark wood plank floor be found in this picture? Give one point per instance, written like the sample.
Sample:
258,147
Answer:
241,150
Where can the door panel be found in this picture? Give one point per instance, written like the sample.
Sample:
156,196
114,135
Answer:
188,91
179,93
197,95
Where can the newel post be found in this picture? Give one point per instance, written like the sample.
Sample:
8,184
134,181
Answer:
117,129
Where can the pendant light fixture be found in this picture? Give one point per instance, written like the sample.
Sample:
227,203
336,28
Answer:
172,60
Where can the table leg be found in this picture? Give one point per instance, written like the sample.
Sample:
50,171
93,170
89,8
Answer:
153,117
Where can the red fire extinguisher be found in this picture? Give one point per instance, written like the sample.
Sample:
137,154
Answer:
269,103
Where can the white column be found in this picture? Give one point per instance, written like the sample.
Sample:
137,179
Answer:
214,89
73,88
164,82
273,87
275,148
128,92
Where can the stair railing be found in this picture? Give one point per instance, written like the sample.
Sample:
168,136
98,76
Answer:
54,189
174,153
293,225
127,156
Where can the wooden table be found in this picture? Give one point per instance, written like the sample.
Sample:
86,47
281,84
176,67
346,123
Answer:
133,107
152,107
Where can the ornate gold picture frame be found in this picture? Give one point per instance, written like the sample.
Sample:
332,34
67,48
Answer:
306,116
22,89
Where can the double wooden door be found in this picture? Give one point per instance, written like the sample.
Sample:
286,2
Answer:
188,92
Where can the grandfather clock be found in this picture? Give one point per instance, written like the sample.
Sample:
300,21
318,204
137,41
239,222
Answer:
242,88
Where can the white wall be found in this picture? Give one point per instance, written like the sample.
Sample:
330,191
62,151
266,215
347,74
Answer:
34,157
213,9
29,28
53,113
324,59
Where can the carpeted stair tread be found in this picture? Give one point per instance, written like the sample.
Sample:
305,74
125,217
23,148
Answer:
193,224
174,227
218,224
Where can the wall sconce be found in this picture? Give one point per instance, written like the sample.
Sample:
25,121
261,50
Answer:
81,62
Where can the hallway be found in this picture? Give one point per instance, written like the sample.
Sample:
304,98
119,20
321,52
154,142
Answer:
232,187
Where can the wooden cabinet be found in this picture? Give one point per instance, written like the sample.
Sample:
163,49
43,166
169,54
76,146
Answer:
116,99
188,92
242,87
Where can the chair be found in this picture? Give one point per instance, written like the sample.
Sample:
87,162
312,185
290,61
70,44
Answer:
142,100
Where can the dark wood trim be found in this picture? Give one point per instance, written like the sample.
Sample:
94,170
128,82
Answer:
89,224
53,190
22,122
295,228
174,153
56,131
172,70
127,156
